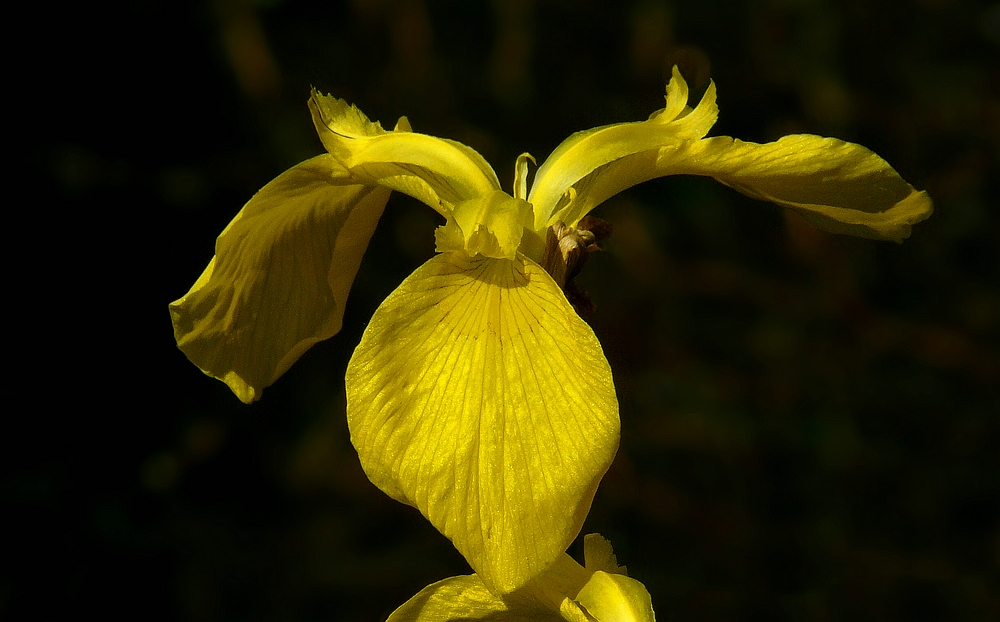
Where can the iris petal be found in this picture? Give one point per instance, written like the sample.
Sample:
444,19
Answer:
479,396
437,171
838,186
592,166
280,277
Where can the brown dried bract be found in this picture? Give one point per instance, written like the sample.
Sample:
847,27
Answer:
566,251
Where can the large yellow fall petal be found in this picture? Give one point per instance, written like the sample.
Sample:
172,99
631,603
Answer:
280,277
838,186
437,171
480,397
590,167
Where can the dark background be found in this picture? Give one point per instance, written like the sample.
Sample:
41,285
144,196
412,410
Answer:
810,422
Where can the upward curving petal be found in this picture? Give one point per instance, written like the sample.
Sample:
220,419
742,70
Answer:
590,167
838,186
479,396
437,171
280,277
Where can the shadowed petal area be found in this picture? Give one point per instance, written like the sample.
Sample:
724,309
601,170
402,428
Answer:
280,277
838,186
480,397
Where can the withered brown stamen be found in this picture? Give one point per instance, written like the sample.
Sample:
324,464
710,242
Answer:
566,251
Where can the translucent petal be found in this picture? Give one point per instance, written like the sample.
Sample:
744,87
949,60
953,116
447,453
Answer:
840,187
280,277
616,598
599,163
464,598
437,171
479,396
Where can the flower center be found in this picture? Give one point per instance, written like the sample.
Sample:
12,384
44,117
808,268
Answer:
490,225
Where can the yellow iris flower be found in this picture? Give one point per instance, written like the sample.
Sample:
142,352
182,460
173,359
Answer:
600,591
477,394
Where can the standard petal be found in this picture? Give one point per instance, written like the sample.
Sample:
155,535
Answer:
479,396
590,167
280,277
838,186
463,598
437,171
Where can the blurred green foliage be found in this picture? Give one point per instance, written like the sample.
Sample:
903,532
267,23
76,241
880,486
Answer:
811,424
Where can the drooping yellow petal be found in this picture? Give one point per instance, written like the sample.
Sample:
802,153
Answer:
616,598
280,277
838,186
479,396
590,167
437,171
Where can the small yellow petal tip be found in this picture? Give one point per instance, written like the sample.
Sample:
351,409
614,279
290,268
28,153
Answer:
403,125
342,118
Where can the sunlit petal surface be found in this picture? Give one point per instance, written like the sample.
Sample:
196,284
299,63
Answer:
280,277
590,167
840,187
480,397
437,171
